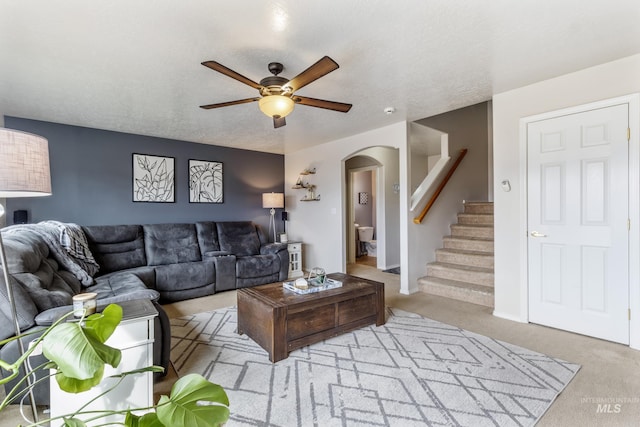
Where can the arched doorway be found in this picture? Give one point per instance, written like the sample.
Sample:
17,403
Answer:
371,199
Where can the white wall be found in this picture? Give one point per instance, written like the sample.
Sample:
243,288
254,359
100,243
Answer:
321,225
605,81
387,214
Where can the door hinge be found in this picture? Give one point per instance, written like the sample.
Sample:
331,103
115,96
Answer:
628,224
629,312
628,134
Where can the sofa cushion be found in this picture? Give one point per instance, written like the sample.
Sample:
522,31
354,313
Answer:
176,277
116,247
177,282
257,266
238,238
171,243
207,237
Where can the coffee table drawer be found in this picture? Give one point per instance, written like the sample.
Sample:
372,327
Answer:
356,309
311,321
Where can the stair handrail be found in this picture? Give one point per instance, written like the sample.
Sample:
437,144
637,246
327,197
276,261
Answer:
445,180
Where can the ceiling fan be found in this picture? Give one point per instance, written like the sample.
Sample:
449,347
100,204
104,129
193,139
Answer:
277,97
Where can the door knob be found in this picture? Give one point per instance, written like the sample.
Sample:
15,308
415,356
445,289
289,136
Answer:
536,234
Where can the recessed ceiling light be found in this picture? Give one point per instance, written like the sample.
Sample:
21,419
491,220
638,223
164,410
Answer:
389,110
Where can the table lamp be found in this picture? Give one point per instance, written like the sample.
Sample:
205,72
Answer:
24,172
273,201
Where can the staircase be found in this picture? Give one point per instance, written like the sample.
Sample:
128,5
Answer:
463,269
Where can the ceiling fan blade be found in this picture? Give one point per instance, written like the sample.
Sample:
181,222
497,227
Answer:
227,104
322,67
216,66
321,103
278,122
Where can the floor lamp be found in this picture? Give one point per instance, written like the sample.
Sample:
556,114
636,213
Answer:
24,172
273,201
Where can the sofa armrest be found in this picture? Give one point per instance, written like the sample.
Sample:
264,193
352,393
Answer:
48,317
225,272
272,248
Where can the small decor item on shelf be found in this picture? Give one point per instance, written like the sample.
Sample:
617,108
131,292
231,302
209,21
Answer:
311,188
308,171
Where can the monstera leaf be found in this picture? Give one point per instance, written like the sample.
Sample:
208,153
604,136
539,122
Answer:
194,402
78,351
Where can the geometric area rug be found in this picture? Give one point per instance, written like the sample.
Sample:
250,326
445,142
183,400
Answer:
412,371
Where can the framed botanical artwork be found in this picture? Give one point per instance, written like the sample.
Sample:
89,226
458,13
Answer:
153,178
205,182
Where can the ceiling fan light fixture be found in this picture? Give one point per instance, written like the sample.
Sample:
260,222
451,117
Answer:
276,105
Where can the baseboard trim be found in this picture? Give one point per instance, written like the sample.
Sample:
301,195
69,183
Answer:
508,317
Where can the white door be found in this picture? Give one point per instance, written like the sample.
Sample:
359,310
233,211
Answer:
578,222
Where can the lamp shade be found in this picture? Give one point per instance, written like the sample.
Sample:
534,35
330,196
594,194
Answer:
24,165
276,105
273,200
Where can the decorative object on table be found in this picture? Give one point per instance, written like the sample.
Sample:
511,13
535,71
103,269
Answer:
317,273
363,198
205,182
301,283
84,304
272,201
303,287
24,172
283,238
153,178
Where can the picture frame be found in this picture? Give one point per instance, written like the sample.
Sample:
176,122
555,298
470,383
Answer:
153,178
206,181
363,198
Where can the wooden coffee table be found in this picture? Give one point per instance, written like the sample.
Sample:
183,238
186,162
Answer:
281,321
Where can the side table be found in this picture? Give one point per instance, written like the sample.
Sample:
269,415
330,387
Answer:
134,337
295,259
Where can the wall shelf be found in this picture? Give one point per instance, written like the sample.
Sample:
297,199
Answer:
311,195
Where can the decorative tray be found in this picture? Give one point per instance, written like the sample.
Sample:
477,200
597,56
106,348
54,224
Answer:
314,286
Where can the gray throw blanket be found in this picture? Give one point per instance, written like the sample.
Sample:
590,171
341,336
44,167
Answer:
68,246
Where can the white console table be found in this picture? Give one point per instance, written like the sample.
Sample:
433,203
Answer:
295,259
134,337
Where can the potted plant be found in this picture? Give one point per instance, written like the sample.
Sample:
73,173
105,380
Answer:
77,356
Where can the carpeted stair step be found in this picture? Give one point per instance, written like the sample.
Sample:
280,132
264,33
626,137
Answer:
478,207
461,273
479,219
467,230
465,257
468,243
461,291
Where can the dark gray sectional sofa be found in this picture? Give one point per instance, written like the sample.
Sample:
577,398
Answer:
160,262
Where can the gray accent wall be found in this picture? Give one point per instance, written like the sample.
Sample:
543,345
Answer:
91,178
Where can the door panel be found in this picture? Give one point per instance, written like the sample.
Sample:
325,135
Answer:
577,221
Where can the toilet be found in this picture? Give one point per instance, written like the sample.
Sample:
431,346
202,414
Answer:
365,234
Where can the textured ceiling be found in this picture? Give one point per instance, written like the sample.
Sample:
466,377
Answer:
134,65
